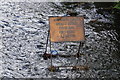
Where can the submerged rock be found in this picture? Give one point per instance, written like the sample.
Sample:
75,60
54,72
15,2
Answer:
40,46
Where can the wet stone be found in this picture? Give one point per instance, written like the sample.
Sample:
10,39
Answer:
35,68
39,46
41,22
62,49
20,45
26,66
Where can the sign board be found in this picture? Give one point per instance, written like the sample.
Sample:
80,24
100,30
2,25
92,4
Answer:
66,29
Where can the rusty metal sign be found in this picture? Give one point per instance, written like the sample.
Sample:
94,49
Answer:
66,29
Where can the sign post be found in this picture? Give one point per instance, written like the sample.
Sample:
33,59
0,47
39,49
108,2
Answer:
65,29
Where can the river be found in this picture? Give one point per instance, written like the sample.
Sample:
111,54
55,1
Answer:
24,32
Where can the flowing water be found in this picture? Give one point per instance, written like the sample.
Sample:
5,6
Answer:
24,27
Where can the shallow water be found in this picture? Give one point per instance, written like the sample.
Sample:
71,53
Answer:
24,32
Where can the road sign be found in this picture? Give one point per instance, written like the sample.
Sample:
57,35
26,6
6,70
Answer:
66,29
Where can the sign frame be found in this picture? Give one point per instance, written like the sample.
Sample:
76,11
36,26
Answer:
66,40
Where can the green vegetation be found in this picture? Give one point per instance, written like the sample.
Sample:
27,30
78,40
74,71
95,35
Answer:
117,6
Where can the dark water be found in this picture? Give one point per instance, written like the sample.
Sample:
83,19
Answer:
24,32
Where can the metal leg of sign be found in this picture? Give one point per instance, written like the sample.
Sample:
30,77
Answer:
78,57
78,53
52,68
45,53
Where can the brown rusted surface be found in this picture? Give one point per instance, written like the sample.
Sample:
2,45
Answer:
52,68
55,68
66,29
48,56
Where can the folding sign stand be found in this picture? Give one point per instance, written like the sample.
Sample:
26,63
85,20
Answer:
65,29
